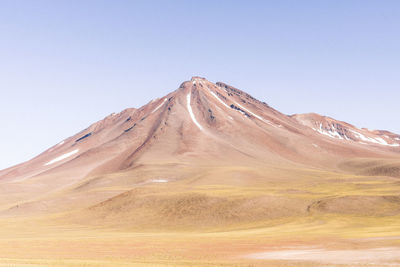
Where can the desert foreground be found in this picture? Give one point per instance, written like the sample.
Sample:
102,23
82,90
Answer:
206,176
271,224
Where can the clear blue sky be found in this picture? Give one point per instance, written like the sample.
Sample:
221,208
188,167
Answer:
66,64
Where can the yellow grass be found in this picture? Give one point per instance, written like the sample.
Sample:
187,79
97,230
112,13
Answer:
122,232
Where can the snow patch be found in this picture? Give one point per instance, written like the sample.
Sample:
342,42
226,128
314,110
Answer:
189,107
331,133
381,140
62,157
159,181
159,106
219,99
61,143
243,113
395,145
376,140
255,115
362,137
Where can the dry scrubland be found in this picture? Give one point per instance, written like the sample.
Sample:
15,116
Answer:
66,263
206,175
189,222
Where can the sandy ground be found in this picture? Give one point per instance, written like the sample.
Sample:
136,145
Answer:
384,255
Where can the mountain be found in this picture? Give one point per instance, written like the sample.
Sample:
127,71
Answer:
200,134
210,173
345,131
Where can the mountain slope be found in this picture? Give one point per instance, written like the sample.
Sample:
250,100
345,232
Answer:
345,131
201,134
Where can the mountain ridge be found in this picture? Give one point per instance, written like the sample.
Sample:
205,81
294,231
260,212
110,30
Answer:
99,125
197,128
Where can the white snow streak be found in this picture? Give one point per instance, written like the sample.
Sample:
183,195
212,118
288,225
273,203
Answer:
216,97
189,107
243,113
331,133
66,155
223,103
377,140
383,142
364,138
159,106
159,181
255,115
61,143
